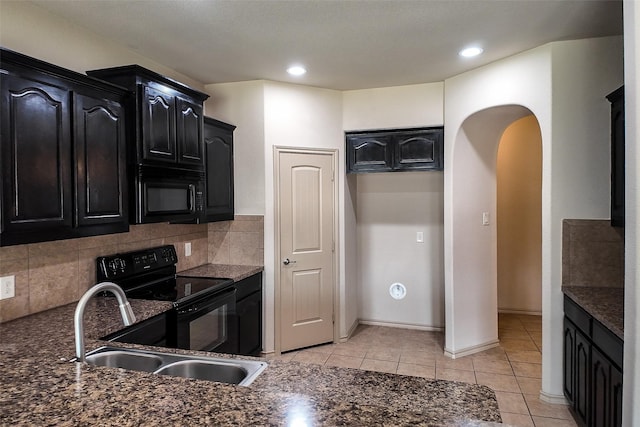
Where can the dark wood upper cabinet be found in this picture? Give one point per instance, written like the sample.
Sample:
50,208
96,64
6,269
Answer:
36,157
159,126
166,126
62,146
218,142
101,161
369,153
394,150
419,150
190,132
617,157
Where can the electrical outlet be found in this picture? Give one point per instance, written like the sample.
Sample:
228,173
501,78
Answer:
187,249
7,287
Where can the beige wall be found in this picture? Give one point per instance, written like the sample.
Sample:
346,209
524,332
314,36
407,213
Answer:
391,207
631,387
563,84
242,104
52,274
519,217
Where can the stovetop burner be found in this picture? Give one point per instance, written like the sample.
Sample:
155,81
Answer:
151,274
179,290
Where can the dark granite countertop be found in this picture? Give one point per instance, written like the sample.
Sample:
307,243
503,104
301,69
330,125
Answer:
606,305
40,386
225,271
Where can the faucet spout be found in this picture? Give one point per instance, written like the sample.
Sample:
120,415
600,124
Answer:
78,319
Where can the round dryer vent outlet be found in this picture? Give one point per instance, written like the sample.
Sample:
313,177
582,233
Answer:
397,291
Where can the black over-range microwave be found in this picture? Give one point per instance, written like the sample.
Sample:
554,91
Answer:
166,194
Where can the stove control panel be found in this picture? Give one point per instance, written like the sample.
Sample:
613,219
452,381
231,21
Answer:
120,266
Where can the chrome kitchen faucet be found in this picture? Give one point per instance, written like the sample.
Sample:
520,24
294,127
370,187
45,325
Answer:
125,310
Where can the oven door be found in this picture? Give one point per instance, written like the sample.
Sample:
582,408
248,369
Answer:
207,325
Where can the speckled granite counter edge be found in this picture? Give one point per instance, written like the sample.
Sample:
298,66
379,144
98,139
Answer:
41,386
606,305
226,271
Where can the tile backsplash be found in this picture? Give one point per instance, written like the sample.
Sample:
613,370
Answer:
52,274
592,253
237,242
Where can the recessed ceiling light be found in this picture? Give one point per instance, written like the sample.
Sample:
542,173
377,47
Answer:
470,52
296,70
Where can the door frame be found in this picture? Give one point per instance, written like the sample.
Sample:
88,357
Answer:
277,150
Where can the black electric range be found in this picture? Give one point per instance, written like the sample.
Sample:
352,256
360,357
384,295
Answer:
151,274
203,317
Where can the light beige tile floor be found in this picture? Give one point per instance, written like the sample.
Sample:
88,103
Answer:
513,370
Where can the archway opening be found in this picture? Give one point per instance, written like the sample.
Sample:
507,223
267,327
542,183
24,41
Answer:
519,218
472,285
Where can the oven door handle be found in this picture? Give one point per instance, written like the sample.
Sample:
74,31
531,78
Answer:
190,309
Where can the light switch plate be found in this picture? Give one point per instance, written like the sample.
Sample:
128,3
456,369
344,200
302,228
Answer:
7,287
187,249
419,237
485,218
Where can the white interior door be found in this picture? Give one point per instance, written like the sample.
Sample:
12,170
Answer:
306,226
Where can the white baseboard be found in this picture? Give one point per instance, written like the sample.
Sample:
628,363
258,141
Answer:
471,350
523,312
401,325
352,329
554,399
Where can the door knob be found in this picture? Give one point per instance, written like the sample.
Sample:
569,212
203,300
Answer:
288,261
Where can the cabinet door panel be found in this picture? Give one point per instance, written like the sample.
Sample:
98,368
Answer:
617,157
100,157
189,132
582,382
158,125
600,389
219,166
419,150
36,156
250,324
367,153
568,360
616,397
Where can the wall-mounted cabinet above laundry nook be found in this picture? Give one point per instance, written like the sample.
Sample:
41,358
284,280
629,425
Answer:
395,150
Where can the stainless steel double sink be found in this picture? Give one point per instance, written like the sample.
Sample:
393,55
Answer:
232,371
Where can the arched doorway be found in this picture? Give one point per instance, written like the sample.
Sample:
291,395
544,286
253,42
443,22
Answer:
519,218
472,303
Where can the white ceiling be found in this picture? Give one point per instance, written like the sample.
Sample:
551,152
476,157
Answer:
344,44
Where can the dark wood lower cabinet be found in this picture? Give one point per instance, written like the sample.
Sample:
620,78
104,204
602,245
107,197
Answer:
582,385
249,315
568,364
592,376
616,397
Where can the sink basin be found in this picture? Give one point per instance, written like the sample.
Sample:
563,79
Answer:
231,371
125,360
202,370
